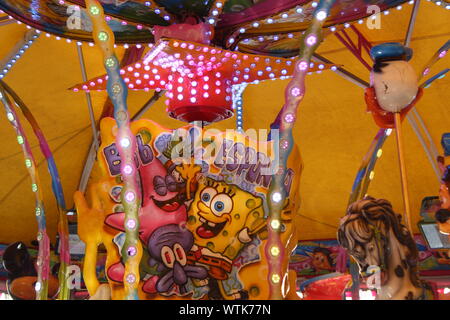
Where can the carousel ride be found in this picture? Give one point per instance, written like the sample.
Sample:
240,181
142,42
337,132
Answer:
201,213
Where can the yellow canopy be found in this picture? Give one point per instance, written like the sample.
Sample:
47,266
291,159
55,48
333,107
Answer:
333,129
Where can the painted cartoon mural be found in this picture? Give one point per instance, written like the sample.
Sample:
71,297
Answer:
203,216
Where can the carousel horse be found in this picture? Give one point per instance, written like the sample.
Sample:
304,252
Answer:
374,236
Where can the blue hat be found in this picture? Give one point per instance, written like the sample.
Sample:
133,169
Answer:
390,51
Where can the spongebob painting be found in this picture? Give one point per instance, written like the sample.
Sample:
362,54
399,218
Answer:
221,228
203,225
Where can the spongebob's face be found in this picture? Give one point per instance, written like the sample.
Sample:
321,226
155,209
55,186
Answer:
219,212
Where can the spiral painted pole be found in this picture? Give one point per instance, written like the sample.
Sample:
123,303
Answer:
365,172
63,230
294,94
126,144
43,260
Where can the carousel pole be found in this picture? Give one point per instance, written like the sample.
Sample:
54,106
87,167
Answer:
126,144
402,164
294,94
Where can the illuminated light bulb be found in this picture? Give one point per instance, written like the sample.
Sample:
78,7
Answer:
193,99
20,139
102,36
205,95
275,251
130,196
284,15
386,12
314,4
194,83
219,4
379,153
205,87
399,7
127,169
442,54
275,224
311,40
276,278
346,25
388,132
38,286
180,97
270,20
276,197
299,10
110,62
303,65
125,142
211,21
38,211
333,68
255,25
217,91
180,89
28,163
34,187
9,115
242,30
180,80
289,118
295,91
131,278
321,15
371,175
131,251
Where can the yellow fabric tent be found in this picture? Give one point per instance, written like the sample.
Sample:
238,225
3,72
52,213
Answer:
333,130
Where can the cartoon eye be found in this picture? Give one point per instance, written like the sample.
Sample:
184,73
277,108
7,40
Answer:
180,254
221,204
168,257
207,194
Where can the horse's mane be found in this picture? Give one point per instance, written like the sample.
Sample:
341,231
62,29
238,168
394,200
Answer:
369,214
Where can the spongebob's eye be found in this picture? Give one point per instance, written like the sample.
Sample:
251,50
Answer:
207,194
221,204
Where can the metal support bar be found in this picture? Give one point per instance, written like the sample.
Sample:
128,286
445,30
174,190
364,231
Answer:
88,98
429,154
434,149
343,73
412,22
148,104
352,47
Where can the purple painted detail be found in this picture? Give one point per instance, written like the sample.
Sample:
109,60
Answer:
112,156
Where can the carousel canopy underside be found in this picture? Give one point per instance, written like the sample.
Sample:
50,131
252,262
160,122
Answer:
333,131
